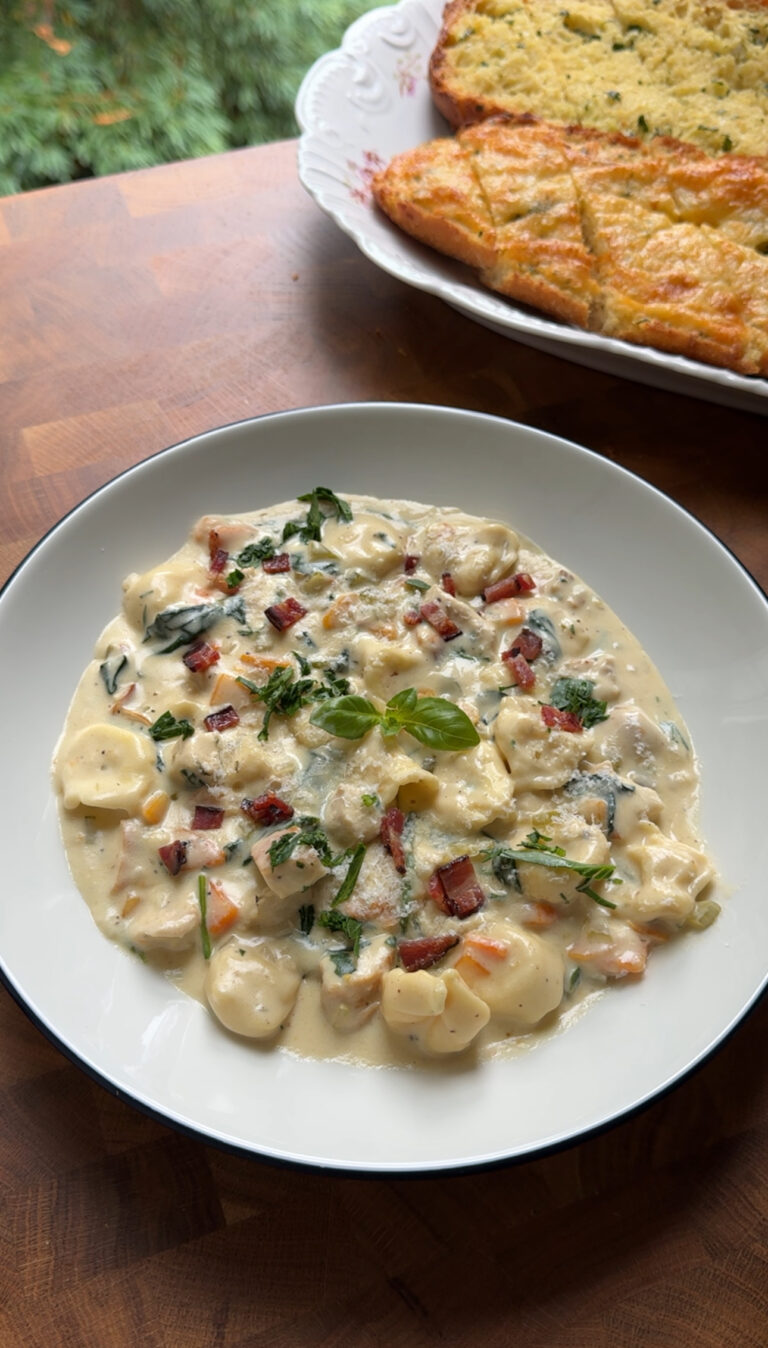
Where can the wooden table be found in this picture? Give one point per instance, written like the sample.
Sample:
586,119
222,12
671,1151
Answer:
137,311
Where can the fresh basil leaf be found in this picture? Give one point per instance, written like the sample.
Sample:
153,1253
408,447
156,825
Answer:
439,724
404,701
309,529
350,879
111,669
534,852
166,727
183,623
350,717
306,918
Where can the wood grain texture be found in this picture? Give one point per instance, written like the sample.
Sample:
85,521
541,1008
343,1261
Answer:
140,310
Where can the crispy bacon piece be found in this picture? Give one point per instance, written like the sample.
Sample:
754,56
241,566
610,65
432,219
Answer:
201,656
218,555
424,951
561,720
173,856
285,614
267,809
391,831
222,719
457,886
207,816
412,617
274,565
527,644
520,583
410,562
520,669
434,613
448,583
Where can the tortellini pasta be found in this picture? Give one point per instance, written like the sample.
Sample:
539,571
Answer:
378,780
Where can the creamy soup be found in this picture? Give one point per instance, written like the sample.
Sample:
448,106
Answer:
379,780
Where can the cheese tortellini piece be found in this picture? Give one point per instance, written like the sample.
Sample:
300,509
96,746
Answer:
106,767
438,1012
252,986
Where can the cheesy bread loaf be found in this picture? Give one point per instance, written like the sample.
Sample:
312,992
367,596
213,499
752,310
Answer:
656,243
695,70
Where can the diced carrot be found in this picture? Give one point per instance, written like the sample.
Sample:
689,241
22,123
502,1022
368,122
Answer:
337,613
222,911
486,945
266,663
154,808
539,913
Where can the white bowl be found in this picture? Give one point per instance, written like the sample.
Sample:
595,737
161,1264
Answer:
700,616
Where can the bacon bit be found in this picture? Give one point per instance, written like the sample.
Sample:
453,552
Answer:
448,583
538,914
201,656
459,887
521,583
425,951
520,669
207,816
527,644
173,856
222,719
410,562
273,565
436,892
392,825
222,911
436,616
561,720
219,561
267,809
285,614
412,617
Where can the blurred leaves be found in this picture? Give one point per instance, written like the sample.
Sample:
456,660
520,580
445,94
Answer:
89,87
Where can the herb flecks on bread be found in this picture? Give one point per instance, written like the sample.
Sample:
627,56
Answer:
696,70
655,243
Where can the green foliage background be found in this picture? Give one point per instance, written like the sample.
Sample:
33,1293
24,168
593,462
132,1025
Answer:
89,87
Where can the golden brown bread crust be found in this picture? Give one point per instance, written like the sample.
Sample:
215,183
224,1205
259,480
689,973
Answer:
696,70
657,244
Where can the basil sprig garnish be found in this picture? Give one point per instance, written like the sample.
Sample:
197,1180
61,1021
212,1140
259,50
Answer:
323,504
181,624
577,696
433,721
535,851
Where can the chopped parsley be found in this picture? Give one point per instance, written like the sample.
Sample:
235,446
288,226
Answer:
577,696
323,504
309,833
166,727
285,694
254,553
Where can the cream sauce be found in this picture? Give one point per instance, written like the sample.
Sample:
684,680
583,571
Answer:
576,816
